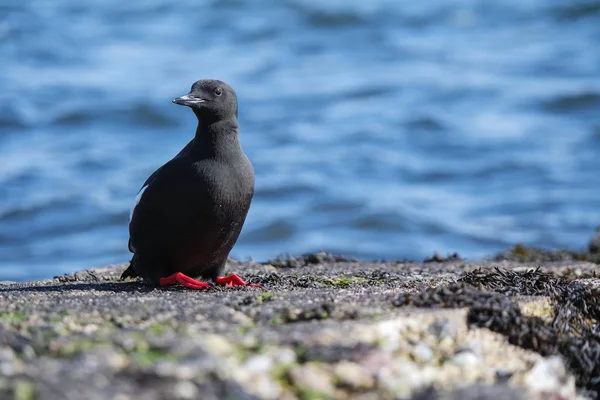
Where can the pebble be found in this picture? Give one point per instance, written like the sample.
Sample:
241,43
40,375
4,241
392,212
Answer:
263,386
217,344
284,356
89,329
180,371
106,357
258,364
8,362
310,377
466,359
421,353
503,375
377,362
241,319
353,375
443,329
476,346
185,390
549,379
406,377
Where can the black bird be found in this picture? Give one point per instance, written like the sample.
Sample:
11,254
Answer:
189,213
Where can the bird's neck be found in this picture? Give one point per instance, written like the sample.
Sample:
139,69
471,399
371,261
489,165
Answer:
216,139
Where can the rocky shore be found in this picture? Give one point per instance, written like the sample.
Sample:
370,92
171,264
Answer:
523,325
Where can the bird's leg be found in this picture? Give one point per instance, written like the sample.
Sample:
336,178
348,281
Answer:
183,280
234,280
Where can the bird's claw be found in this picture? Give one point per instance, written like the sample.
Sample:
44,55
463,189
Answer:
184,280
191,283
234,280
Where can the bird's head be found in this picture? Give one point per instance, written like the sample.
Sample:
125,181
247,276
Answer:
210,99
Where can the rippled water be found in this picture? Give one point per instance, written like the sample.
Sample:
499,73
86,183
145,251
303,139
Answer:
379,129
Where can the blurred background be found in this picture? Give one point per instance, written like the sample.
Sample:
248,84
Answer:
379,129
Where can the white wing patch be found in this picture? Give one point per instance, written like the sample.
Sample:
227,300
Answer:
137,201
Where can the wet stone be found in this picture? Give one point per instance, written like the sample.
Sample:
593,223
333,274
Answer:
320,327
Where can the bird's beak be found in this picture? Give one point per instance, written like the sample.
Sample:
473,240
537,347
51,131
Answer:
188,100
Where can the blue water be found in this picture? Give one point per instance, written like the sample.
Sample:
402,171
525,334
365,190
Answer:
378,129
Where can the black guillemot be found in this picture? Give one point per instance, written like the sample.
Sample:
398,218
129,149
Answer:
189,213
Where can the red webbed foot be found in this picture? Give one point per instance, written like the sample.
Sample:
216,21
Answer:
234,280
183,280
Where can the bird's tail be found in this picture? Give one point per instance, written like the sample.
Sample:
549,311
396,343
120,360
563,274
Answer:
130,272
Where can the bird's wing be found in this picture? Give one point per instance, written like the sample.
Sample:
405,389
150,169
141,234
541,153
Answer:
161,174
146,207
166,204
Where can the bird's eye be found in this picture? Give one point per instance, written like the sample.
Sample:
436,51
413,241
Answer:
218,91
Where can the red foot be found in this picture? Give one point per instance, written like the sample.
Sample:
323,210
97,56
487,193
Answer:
234,280
183,280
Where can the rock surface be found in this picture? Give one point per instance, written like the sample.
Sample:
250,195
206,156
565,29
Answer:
320,327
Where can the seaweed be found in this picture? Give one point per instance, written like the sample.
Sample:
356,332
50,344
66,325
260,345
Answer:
287,261
573,332
437,258
533,282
